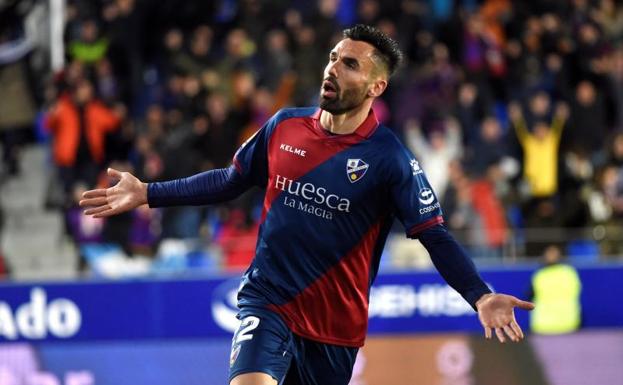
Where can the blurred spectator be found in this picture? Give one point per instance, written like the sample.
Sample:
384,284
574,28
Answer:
587,125
436,153
556,289
612,187
237,239
326,24
173,56
220,139
124,23
278,60
540,172
606,207
200,78
539,108
78,123
145,231
17,111
487,149
239,54
615,74
149,144
540,146
610,19
576,178
475,212
307,68
83,230
471,108
106,83
90,47
199,55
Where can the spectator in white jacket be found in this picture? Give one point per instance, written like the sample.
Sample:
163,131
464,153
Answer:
435,153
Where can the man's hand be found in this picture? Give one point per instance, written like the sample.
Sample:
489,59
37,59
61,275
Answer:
127,194
495,312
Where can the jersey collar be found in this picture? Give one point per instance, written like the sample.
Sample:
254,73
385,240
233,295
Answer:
365,129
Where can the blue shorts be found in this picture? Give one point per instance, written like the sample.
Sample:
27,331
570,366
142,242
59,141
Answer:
263,343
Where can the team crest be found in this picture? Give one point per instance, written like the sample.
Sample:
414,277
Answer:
356,169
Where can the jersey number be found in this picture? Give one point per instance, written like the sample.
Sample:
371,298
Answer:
246,326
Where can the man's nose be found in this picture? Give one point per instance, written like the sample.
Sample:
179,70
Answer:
332,69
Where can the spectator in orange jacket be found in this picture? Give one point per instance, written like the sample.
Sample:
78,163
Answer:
79,124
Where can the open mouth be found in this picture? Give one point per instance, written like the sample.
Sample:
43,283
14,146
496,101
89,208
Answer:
329,90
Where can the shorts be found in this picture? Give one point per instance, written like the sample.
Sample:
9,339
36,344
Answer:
263,343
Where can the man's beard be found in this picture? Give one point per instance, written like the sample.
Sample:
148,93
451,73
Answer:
339,105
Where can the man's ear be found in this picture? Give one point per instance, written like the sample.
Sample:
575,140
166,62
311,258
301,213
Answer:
377,88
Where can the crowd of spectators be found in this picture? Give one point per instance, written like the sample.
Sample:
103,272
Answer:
513,107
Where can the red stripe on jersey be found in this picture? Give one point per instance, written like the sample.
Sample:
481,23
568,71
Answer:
237,165
415,230
337,302
298,145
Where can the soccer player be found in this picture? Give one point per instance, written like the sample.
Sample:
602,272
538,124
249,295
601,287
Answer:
335,179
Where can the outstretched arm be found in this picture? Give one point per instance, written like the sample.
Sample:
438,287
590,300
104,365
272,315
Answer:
495,311
214,186
209,187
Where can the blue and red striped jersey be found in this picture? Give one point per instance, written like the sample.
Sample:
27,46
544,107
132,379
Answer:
330,202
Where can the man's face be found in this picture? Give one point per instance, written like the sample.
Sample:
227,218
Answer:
84,92
348,77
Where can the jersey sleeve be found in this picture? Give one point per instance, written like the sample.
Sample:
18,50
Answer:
251,159
413,198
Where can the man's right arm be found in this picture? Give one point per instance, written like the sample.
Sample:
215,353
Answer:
209,187
250,169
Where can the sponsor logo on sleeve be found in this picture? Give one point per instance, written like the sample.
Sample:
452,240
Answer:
426,196
415,167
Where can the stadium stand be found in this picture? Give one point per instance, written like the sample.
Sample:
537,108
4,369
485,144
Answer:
514,108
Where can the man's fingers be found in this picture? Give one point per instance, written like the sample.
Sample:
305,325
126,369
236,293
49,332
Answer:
500,334
517,329
523,304
94,193
106,213
113,173
93,202
97,210
488,332
511,333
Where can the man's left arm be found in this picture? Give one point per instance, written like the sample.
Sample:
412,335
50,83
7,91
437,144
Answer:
418,208
495,311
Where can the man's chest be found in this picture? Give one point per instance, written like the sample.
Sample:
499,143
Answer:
335,175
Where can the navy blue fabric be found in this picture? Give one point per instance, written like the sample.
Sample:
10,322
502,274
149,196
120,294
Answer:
251,159
454,265
273,349
209,187
326,217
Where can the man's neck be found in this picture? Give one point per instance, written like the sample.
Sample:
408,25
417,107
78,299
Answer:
345,123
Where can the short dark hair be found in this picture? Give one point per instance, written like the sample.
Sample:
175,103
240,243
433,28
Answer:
386,47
